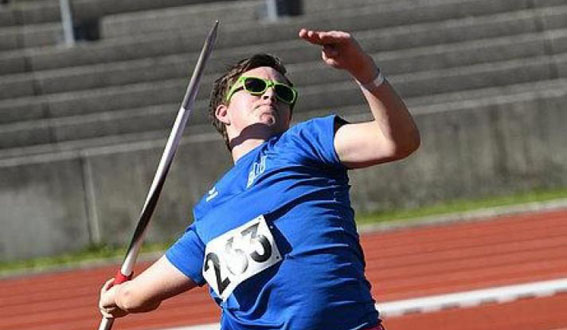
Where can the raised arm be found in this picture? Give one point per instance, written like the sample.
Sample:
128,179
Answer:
145,292
392,134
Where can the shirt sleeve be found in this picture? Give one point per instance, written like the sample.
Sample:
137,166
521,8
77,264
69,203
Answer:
314,139
187,255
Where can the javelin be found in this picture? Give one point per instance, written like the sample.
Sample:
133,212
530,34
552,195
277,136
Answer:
126,271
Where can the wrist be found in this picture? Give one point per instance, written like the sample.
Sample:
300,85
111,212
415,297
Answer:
374,83
365,69
122,297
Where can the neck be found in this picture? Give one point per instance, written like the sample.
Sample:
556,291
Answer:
245,147
247,139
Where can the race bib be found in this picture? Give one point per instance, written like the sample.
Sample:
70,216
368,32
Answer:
238,255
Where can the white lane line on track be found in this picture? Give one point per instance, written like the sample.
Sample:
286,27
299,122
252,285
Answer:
212,326
472,298
460,299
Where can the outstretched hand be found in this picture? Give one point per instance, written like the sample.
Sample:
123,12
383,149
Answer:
342,51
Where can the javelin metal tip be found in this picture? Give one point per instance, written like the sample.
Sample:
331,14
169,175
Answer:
211,38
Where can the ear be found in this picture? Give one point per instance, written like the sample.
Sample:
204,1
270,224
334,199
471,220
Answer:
221,113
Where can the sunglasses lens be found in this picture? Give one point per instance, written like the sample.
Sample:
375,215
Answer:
254,85
285,93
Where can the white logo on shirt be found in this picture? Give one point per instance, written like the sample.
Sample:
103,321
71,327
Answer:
212,194
257,169
239,254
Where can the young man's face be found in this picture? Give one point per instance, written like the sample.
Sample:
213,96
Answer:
270,115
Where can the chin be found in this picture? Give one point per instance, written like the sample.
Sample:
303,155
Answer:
268,119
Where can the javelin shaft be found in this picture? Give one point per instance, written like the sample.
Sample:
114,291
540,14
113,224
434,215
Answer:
169,151
126,270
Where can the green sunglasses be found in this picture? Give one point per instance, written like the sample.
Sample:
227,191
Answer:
258,86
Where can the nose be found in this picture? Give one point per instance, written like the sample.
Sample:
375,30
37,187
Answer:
270,93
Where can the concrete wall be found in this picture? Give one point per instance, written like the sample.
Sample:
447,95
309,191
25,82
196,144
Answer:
120,181
495,145
473,150
43,207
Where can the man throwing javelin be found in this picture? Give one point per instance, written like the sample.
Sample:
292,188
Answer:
275,237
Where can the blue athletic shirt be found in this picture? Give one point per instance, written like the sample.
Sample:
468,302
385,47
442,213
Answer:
276,241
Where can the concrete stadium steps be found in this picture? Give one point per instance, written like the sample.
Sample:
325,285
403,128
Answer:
38,24
536,89
26,1
29,36
292,52
384,11
314,6
27,13
46,34
26,154
153,123
343,94
458,80
447,23
120,124
453,100
170,91
92,101
180,18
176,66
35,12
113,26
51,81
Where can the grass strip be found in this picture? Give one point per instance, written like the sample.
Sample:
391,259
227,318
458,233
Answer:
460,206
90,254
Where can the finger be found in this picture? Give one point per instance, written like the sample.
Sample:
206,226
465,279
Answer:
107,285
103,310
310,36
109,282
334,37
106,315
330,37
329,60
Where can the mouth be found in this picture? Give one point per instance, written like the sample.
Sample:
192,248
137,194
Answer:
270,106
267,110
267,113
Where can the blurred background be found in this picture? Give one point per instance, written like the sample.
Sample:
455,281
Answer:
89,90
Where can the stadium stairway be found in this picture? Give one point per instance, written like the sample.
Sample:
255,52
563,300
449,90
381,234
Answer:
28,24
129,88
128,76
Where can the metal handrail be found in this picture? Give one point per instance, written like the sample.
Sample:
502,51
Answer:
67,22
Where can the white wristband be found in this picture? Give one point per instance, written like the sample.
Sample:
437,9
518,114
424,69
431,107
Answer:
379,80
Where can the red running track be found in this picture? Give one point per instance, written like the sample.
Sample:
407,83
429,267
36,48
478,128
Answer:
401,264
